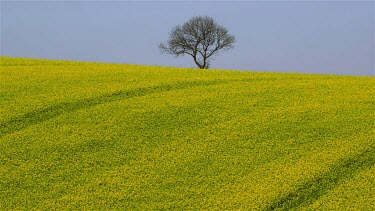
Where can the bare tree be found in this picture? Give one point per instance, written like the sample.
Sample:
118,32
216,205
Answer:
201,37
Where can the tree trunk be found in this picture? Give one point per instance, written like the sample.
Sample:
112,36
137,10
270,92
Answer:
197,63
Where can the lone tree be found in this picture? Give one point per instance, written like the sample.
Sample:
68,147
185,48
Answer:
201,37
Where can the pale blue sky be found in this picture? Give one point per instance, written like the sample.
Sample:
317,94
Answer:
335,37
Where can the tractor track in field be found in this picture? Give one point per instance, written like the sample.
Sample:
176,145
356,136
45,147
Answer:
44,114
312,190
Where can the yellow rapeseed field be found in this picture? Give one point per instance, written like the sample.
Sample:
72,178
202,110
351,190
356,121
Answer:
80,135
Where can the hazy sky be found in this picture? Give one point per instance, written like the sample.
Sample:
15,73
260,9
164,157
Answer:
279,36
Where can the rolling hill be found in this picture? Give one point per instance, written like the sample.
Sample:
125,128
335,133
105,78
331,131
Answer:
80,135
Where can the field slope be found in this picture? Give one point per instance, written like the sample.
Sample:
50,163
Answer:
109,136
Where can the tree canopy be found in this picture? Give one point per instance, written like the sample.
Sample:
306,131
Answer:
201,38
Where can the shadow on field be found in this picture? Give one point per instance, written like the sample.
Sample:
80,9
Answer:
45,114
312,190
